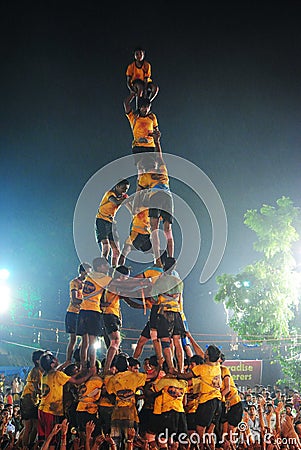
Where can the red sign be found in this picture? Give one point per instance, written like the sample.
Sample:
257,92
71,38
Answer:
245,373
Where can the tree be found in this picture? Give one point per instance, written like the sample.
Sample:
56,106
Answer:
262,300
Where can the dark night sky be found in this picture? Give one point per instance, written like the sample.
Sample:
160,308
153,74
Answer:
229,102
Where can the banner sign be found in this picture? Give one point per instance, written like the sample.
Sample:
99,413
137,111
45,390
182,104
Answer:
245,372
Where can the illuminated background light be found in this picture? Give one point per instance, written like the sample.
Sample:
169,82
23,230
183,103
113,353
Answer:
4,298
4,274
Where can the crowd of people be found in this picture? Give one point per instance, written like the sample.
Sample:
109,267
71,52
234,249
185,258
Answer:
142,406
182,396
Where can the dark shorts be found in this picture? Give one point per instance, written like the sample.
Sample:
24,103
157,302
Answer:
111,322
172,421
234,414
147,421
141,149
153,316
105,230
161,205
208,412
28,409
146,331
185,339
170,324
151,323
83,417
90,322
142,242
104,415
71,322
190,419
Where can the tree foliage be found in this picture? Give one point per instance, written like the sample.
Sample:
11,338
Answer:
263,298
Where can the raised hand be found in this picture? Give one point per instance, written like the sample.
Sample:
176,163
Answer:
90,426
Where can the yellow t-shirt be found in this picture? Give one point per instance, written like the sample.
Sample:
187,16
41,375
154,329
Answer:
33,385
169,290
107,209
141,127
172,395
52,392
89,393
192,397
154,178
77,285
124,386
139,73
153,272
233,396
141,222
94,286
211,381
111,304
106,399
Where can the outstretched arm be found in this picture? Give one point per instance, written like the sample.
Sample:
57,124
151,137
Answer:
130,84
127,103
139,305
156,134
132,304
261,402
198,350
118,201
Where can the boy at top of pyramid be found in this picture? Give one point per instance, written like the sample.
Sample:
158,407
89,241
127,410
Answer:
138,77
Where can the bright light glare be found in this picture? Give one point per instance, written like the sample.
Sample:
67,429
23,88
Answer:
4,298
97,344
4,274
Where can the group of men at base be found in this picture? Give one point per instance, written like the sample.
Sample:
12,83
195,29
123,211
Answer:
135,407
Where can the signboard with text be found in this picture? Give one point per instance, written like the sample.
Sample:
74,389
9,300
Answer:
245,372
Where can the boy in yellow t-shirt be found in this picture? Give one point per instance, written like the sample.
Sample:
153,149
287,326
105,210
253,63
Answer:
71,317
144,124
139,237
106,405
124,385
192,396
154,192
105,229
232,409
110,306
90,321
169,409
87,407
29,401
209,409
51,409
138,77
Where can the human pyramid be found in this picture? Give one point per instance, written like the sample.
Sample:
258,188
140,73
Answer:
151,205
183,389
